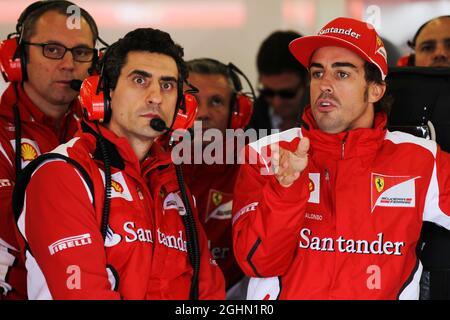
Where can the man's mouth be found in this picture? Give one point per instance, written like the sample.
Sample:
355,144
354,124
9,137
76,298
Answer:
151,115
66,82
325,105
441,64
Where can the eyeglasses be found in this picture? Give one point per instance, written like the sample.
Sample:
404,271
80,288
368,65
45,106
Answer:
57,51
283,93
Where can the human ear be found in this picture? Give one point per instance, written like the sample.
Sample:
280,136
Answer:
376,91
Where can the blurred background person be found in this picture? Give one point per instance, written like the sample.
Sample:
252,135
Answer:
282,84
221,106
431,45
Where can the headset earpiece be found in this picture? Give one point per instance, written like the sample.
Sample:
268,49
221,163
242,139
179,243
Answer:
12,53
241,112
95,100
10,60
186,112
242,105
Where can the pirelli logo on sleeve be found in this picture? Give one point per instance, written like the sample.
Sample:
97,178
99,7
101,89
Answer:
70,242
248,208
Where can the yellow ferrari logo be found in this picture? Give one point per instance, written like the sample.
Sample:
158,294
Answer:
379,183
379,42
217,198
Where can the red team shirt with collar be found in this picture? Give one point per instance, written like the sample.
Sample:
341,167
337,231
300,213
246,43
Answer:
212,187
144,255
38,135
348,228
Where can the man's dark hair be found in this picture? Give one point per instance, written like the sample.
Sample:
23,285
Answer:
27,21
210,66
274,56
146,40
412,43
373,74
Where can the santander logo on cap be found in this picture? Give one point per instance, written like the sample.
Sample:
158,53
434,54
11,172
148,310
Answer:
355,35
348,32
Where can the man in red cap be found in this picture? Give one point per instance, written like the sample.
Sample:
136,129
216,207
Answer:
336,211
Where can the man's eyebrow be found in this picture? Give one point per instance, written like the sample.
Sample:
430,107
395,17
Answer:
140,73
317,65
427,42
168,78
334,65
343,64
82,45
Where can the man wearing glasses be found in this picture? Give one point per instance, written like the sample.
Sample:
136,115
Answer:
283,81
39,112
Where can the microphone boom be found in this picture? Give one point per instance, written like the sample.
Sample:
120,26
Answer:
158,124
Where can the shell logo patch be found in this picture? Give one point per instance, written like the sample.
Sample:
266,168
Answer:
29,153
311,186
119,187
29,150
314,188
116,186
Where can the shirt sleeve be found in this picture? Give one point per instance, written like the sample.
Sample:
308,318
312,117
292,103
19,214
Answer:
63,235
8,236
266,220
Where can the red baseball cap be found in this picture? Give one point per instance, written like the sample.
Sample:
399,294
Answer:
357,36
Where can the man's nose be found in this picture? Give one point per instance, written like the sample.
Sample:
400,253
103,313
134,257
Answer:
276,101
203,111
326,86
154,93
67,61
441,51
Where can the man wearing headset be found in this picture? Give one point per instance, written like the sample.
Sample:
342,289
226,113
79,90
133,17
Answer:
38,110
340,214
219,108
125,233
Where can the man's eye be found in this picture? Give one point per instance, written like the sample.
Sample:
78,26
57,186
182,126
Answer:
342,75
316,74
167,86
52,49
447,44
139,80
81,52
427,48
216,102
